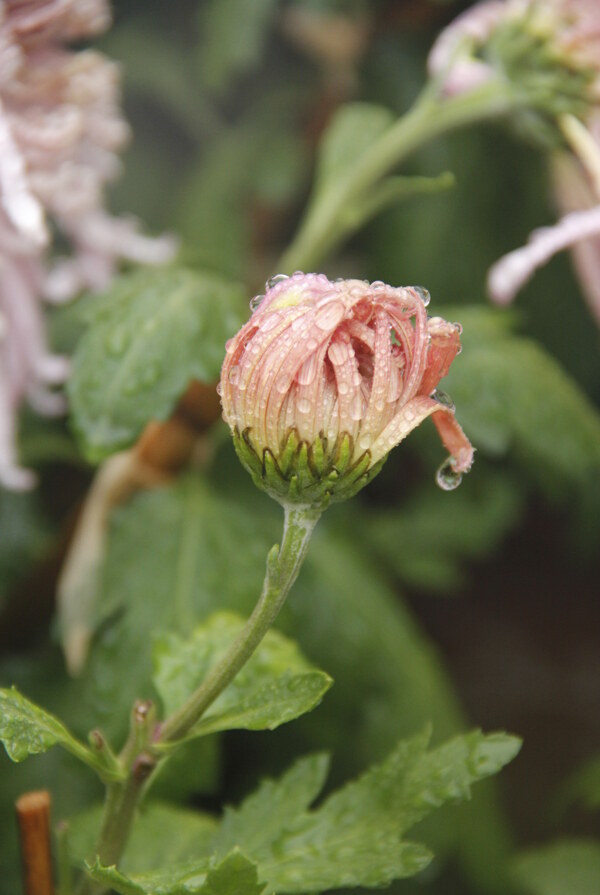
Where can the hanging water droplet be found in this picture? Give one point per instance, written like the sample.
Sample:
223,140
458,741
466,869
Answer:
442,398
230,346
255,302
446,477
234,375
273,281
423,294
219,389
458,327
304,405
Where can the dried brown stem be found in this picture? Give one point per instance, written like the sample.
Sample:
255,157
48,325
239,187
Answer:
33,815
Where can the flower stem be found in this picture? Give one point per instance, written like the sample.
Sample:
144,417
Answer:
283,566
142,751
327,221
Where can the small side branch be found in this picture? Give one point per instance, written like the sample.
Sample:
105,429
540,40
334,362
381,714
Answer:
33,815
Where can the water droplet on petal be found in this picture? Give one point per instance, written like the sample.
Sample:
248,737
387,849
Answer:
234,375
230,346
328,317
273,281
423,294
307,371
343,388
458,328
255,302
446,477
304,405
219,389
281,385
442,398
356,408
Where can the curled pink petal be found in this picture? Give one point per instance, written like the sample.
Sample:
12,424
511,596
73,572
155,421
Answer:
511,272
326,378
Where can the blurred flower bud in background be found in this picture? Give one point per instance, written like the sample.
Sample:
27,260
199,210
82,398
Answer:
548,54
326,378
60,130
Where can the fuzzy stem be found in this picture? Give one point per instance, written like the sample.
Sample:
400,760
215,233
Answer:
327,221
138,755
283,566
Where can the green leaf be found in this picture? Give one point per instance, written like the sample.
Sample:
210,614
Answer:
275,686
162,834
443,532
26,729
353,130
356,837
511,395
233,34
567,867
583,786
235,875
147,338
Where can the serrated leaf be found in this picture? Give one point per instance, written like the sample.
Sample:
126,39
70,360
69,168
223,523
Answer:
235,875
567,867
275,686
511,394
356,837
162,834
147,338
26,729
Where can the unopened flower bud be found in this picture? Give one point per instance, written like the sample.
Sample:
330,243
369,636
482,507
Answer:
326,378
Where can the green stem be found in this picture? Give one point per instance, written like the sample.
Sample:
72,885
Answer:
138,755
327,221
282,569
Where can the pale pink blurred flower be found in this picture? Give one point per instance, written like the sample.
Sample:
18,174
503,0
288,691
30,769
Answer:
571,30
326,378
60,130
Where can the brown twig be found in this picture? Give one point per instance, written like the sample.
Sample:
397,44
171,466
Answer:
33,815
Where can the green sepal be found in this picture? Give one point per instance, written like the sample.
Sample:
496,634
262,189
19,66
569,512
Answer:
307,473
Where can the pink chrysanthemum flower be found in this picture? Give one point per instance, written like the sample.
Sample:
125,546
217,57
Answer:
555,71
60,130
326,378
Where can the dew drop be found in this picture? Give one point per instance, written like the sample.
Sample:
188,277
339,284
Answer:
423,294
234,375
356,408
458,327
219,389
377,284
304,405
230,346
255,302
281,385
273,281
442,398
364,442
343,388
328,317
446,477
312,345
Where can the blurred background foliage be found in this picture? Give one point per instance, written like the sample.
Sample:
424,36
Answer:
473,607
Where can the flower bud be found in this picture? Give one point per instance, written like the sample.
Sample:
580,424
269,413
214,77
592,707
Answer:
326,378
